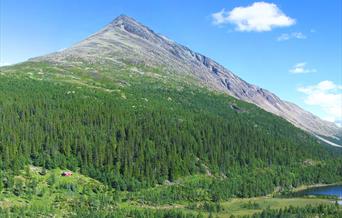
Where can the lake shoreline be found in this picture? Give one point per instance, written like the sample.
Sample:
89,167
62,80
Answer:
320,185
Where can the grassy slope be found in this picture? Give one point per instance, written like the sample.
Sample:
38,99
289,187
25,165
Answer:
52,193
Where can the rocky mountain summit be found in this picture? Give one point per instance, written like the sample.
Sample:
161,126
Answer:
125,40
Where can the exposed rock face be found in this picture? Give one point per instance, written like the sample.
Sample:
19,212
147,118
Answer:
126,40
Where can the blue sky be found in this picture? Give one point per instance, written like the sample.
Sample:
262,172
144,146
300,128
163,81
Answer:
292,48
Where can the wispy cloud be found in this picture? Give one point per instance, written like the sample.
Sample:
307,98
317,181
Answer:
220,17
293,35
301,68
298,35
259,17
327,96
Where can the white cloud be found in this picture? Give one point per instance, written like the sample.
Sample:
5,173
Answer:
293,35
328,96
301,68
259,17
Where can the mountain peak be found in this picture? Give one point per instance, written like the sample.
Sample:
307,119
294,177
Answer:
123,19
132,26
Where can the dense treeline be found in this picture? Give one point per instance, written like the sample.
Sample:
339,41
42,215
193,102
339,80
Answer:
145,134
245,183
323,210
83,210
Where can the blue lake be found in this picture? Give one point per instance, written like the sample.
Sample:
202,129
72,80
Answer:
334,190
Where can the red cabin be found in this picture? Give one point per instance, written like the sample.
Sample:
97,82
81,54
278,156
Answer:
67,173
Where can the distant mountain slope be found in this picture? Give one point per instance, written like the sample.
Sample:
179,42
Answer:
127,41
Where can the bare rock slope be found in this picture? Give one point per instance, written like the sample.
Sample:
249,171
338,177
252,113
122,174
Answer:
127,40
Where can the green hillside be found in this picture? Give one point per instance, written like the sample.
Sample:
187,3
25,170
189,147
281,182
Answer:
138,131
